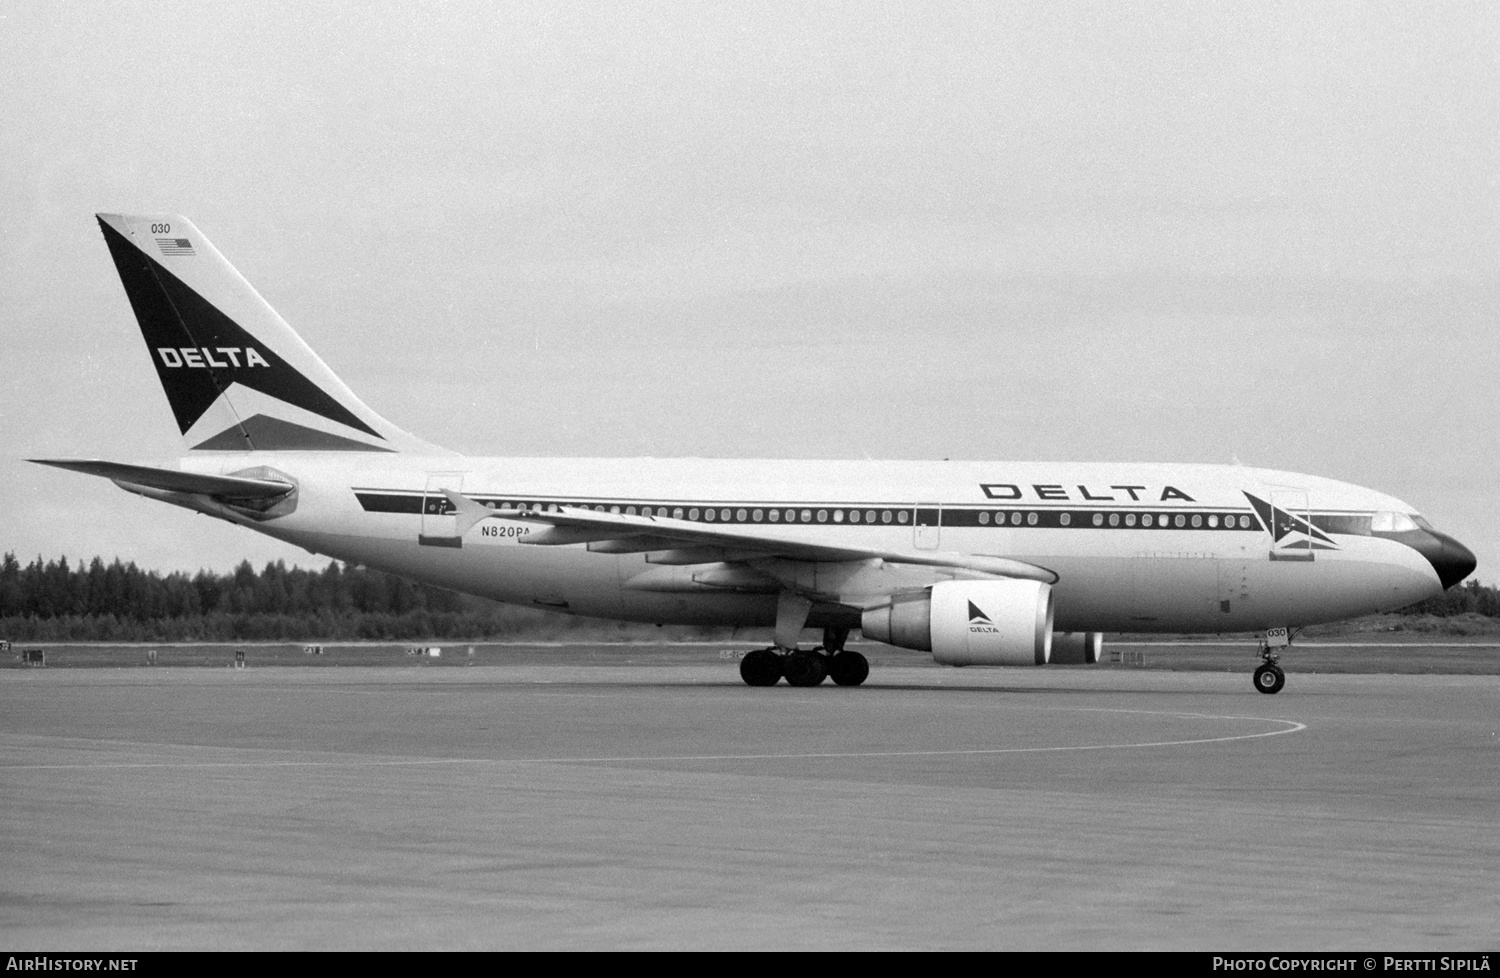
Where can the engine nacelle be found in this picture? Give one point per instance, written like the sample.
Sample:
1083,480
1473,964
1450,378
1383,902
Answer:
1076,648
970,623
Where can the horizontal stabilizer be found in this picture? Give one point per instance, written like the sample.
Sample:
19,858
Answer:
173,480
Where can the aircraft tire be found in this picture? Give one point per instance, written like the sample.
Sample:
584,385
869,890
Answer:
1269,679
848,668
760,668
804,669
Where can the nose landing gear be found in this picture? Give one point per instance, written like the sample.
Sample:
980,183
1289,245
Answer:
1268,676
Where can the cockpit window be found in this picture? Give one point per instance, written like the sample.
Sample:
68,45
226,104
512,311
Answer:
1389,522
1417,519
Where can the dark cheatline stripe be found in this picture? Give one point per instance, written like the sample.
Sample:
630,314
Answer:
1348,524
378,501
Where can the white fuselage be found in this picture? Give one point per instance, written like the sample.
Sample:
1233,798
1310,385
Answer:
1135,547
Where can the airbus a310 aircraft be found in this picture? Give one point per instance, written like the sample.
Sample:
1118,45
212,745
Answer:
979,563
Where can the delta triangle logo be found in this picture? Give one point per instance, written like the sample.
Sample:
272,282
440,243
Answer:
979,622
1288,530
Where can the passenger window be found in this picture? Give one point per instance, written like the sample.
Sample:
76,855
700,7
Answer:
1065,519
984,519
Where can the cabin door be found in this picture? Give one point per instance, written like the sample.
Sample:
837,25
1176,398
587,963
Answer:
439,524
928,520
1291,518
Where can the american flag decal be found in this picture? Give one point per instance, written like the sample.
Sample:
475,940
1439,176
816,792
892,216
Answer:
175,246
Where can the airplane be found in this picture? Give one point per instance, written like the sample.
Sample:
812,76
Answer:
976,562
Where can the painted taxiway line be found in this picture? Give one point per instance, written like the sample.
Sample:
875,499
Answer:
1312,645
1289,726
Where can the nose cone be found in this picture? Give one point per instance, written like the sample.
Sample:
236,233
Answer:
1452,560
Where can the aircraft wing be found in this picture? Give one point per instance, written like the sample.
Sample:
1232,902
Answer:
172,480
700,543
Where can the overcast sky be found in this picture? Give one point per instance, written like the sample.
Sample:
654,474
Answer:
1103,231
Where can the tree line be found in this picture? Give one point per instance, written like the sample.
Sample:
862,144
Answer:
1468,598
56,601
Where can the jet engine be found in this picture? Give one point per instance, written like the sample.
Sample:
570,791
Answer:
1076,648
970,623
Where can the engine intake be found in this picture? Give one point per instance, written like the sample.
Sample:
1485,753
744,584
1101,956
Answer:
970,623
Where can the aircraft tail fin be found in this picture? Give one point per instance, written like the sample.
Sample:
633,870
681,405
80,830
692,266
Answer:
237,377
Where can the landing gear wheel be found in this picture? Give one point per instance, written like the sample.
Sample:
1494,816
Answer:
760,668
804,668
848,668
1269,678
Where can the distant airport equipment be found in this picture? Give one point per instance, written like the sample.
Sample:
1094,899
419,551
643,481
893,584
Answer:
424,651
978,563
312,650
4,646
239,658
34,657
150,657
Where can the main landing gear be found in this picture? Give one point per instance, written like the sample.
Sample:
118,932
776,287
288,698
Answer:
1268,676
807,667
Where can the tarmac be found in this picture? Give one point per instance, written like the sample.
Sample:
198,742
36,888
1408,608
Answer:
631,805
